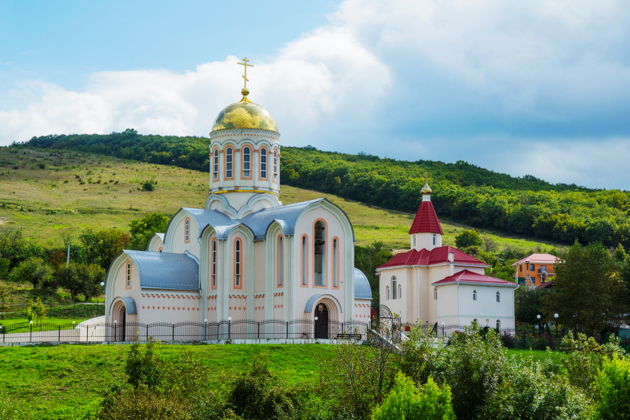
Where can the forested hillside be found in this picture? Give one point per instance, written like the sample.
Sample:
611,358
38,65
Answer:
463,192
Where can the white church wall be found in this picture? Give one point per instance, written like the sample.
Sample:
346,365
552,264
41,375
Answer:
362,310
155,244
425,241
396,305
168,306
486,309
447,305
305,227
176,239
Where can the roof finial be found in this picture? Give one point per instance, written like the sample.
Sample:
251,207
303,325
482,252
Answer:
244,91
426,189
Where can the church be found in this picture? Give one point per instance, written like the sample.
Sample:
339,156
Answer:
245,256
441,285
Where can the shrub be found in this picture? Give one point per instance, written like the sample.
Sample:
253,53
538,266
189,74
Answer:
508,340
148,186
475,368
585,357
405,401
143,403
254,395
144,369
528,391
613,388
420,354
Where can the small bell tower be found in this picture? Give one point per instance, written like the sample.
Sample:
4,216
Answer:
426,231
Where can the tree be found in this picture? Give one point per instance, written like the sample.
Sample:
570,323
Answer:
367,259
81,279
529,303
36,310
406,401
587,292
143,229
468,238
33,270
102,247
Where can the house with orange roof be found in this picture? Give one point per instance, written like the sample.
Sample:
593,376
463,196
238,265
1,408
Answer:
535,270
440,284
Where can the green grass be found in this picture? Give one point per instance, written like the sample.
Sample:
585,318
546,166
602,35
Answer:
69,381
48,192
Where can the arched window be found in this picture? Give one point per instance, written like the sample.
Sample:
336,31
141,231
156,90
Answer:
387,292
247,162
215,164
319,251
474,295
335,262
498,324
400,291
498,296
279,261
229,162
304,260
213,267
237,263
275,164
263,163
187,230
128,285
435,293
394,288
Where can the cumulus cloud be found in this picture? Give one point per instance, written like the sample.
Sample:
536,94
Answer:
311,79
414,79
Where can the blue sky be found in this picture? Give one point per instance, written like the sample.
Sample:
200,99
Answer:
535,87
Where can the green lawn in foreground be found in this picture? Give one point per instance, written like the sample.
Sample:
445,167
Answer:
47,192
68,381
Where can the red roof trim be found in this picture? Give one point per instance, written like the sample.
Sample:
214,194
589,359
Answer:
426,220
466,276
435,256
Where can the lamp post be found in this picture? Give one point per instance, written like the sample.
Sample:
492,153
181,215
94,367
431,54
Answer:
555,317
115,333
538,318
315,326
205,329
30,325
229,328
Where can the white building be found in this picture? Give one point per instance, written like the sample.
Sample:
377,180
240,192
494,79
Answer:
245,256
440,284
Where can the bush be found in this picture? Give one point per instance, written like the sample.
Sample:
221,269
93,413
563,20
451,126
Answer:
508,340
143,403
144,369
475,368
613,388
420,354
148,185
585,357
405,401
254,395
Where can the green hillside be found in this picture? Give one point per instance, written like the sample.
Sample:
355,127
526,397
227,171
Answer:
47,192
523,206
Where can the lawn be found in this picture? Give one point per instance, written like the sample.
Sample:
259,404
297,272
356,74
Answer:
68,381
48,192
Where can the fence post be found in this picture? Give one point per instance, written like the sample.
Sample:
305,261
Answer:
115,334
229,328
146,334
287,330
87,334
2,332
218,329
258,329
59,332
30,336
205,331
173,332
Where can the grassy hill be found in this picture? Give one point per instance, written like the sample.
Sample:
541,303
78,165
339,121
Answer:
523,206
47,192
69,381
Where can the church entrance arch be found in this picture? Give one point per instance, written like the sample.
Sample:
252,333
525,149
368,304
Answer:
119,321
321,321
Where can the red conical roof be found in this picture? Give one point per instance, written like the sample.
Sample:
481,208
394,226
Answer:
426,221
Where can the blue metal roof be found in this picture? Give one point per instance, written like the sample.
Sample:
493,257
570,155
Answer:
285,215
130,305
166,270
362,289
209,217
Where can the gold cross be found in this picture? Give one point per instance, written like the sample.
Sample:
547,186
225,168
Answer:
245,64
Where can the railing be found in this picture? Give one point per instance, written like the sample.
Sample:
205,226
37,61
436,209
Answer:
300,329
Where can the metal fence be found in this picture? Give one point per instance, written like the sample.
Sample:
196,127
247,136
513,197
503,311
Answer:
301,329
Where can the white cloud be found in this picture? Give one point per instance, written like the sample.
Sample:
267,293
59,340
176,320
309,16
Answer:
312,79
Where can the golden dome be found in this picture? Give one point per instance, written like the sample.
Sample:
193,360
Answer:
244,114
426,189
